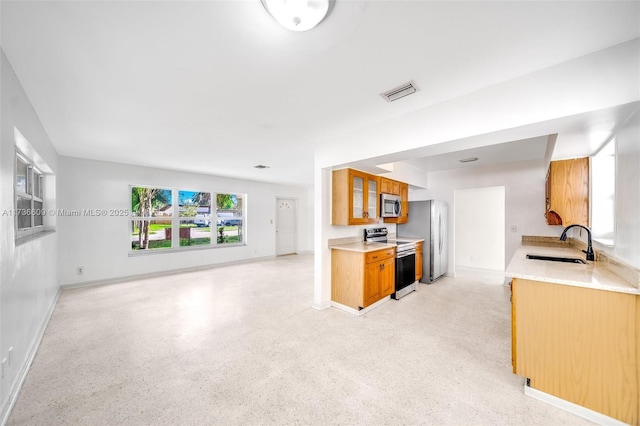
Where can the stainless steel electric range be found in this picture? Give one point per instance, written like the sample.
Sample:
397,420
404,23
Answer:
405,276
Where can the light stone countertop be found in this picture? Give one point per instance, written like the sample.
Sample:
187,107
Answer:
593,275
363,247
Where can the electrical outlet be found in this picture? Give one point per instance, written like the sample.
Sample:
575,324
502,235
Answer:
79,270
514,228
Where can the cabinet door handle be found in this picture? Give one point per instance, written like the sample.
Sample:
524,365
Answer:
382,266
375,257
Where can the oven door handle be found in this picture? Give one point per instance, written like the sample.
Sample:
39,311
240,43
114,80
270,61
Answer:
401,255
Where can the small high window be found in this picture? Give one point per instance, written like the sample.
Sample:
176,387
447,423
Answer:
603,193
29,205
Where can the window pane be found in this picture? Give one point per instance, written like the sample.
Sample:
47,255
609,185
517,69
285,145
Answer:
37,185
38,213
151,202
603,192
229,218
22,176
24,207
230,231
150,234
193,204
193,235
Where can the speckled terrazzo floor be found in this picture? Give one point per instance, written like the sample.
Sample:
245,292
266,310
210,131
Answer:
240,344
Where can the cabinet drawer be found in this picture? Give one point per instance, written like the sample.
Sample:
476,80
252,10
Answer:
376,256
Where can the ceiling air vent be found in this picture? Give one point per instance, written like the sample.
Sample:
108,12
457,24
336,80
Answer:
400,92
468,160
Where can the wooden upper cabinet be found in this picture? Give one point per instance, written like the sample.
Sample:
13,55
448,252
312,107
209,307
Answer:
404,195
389,186
403,192
567,192
355,197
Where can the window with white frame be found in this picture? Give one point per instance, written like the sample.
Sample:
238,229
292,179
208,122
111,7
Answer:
195,218
151,218
230,218
603,193
29,196
198,222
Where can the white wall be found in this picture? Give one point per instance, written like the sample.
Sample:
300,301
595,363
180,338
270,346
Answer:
627,221
101,244
627,239
28,285
324,231
479,228
524,198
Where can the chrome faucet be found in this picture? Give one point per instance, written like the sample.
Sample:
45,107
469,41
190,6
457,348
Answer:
589,250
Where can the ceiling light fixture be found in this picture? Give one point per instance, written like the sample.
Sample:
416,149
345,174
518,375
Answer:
298,15
468,160
261,166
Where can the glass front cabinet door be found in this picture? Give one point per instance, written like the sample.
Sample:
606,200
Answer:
355,198
365,192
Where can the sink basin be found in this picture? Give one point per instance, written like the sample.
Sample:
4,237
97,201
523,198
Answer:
556,259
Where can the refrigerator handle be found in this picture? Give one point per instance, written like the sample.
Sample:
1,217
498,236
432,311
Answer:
440,233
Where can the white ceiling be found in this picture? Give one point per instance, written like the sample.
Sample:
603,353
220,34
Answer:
522,150
217,87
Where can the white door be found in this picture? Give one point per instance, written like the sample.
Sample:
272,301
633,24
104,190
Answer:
285,226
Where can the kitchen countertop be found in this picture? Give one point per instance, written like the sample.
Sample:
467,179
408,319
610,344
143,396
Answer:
363,247
593,275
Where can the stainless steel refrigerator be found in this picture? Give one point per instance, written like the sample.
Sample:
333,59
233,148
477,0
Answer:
428,220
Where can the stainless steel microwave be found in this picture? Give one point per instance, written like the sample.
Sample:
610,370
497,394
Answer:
390,205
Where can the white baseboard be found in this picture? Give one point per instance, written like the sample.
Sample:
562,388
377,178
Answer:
360,312
578,410
161,273
321,306
14,390
491,275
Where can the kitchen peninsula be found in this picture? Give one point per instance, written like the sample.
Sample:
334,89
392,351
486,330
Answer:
576,328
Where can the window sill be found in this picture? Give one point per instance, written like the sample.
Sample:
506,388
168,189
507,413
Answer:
182,249
32,237
604,242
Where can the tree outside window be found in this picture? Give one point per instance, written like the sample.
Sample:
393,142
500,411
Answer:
152,214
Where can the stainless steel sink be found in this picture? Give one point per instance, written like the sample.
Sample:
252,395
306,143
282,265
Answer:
556,259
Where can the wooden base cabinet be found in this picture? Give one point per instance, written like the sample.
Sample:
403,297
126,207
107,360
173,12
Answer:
581,345
418,260
361,279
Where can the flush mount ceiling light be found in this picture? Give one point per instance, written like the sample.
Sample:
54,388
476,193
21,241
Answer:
468,160
298,15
